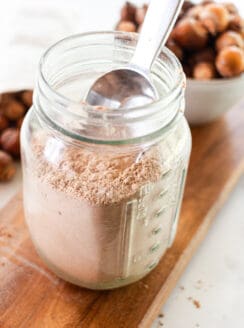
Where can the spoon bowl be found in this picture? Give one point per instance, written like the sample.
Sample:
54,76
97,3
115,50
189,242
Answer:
131,86
122,88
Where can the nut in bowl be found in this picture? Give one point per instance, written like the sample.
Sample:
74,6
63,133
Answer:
206,101
208,39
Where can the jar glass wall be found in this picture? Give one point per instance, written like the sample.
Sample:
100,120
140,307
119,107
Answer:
103,187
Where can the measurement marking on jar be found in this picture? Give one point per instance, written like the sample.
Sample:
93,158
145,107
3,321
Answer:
162,193
166,174
157,230
152,265
160,212
154,248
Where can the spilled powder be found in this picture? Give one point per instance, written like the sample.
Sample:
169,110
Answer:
196,303
4,232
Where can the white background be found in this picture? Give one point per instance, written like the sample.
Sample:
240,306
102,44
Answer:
215,276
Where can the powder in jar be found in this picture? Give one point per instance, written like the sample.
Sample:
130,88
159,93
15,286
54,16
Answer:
100,177
89,216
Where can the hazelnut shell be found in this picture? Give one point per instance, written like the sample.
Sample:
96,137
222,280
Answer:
10,141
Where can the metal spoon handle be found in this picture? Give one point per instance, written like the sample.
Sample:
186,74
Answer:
158,23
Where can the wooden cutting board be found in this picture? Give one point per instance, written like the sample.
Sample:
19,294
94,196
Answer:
31,296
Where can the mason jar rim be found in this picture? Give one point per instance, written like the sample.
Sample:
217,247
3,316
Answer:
128,115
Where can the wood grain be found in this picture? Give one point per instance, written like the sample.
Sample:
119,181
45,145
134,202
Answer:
31,296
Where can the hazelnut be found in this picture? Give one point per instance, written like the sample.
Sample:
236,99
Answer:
19,122
187,70
194,11
230,61
3,122
7,169
26,98
139,28
236,23
186,6
206,2
215,17
128,12
140,14
190,34
101,108
173,46
13,110
206,55
204,71
6,97
10,141
229,38
232,9
126,26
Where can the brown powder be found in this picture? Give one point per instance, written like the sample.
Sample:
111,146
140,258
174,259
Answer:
144,285
197,304
101,178
4,232
96,201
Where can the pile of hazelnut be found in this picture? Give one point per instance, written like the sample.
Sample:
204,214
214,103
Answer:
13,107
208,37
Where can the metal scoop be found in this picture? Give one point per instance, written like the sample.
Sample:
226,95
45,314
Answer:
131,85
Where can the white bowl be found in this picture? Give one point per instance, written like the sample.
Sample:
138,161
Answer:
208,100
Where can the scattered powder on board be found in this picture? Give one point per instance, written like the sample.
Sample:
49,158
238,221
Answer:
196,303
4,232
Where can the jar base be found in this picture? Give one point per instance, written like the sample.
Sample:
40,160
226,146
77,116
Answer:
106,285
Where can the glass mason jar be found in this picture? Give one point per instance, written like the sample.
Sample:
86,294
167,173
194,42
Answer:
103,187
